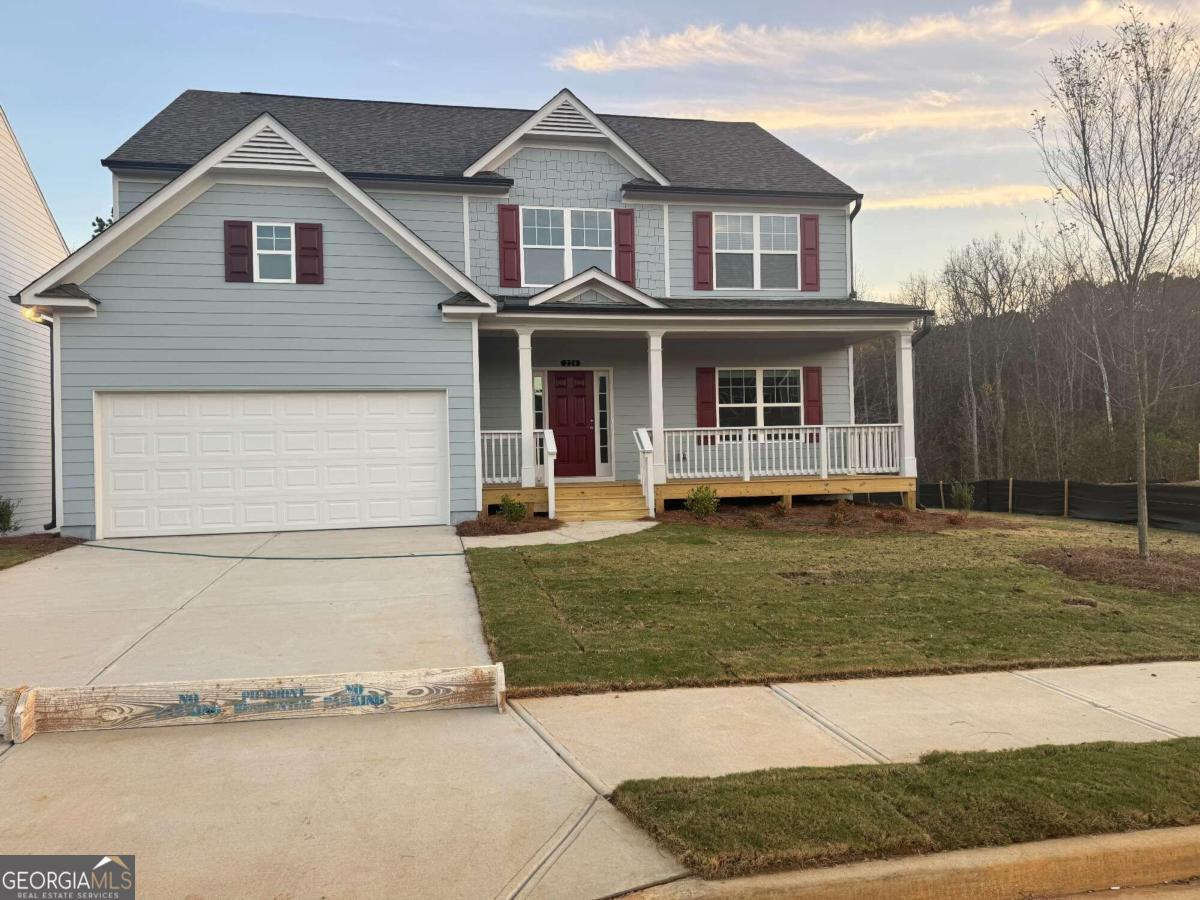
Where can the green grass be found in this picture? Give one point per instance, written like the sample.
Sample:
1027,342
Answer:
690,605
798,818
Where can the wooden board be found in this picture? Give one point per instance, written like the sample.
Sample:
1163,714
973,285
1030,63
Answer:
776,487
103,707
9,698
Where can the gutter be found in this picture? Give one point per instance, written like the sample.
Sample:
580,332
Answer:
673,190
926,327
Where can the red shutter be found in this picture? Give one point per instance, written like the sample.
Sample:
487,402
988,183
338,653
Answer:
702,252
810,253
310,254
706,398
510,245
623,227
813,413
238,264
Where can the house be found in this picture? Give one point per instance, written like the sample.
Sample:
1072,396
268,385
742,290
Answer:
315,313
30,243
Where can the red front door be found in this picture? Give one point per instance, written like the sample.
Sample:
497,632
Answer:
573,420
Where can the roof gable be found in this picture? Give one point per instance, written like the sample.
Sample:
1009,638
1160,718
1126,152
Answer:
592,287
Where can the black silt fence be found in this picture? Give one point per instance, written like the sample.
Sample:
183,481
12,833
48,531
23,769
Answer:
1173,506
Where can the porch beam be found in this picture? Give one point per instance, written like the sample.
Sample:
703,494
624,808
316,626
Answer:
904,404
525,375
657,431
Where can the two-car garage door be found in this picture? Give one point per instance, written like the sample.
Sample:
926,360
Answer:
194,463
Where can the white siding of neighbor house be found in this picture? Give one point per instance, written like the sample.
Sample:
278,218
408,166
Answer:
169,321
29,245
627,357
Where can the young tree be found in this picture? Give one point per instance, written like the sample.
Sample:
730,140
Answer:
1120,145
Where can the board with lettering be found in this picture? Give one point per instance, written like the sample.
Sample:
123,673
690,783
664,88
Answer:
102,707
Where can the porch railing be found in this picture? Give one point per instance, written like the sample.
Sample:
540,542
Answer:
500,452
805,450
645,448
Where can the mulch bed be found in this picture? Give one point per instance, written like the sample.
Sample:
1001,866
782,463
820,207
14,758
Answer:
853,518
1170,571
486,525
24,547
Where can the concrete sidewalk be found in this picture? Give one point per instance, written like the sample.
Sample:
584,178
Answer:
609,738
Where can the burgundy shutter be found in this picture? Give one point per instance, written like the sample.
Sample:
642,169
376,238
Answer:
310,254
810,253
702,252
706,403
623,228
812,396
238,264
510,245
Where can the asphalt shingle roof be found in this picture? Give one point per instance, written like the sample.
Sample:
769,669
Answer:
375,137
724,305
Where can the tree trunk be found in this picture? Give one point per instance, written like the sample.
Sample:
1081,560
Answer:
1108,414
1143,504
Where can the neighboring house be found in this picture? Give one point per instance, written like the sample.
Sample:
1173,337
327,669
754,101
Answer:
30,243
319,313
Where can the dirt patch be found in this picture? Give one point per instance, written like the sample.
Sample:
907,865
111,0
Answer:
1165,571
24,547
486,525
851,519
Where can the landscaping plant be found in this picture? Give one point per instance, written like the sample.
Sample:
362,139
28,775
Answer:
702,501
513,510
8,515
962,496
840,514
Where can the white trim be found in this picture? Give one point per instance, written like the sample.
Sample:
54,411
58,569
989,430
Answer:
56,412
654,378
849,378
475,412
290,254
757,252
467,235
760,405
174,195
607,371
567,248
666,207
116,197
97,469
490,159
593,279
609,322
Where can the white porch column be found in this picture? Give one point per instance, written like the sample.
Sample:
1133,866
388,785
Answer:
525,376
657,433
904,404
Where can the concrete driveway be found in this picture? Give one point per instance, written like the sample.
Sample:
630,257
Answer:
465,803
239,605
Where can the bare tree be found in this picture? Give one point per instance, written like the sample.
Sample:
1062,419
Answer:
1120,145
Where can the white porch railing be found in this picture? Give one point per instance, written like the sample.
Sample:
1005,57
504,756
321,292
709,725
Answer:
501,455
806,450
645,447
548,451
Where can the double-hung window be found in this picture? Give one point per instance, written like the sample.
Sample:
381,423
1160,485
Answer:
756,251
748,398
274,252
559,243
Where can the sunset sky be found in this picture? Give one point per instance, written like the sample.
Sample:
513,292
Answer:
923,106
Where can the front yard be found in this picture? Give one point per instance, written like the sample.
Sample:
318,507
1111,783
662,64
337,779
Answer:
685,604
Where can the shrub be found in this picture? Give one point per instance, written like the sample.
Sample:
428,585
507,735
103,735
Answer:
840,514
8,515
893,515
956,519
755,519
702,501
962,496
779,510
513,510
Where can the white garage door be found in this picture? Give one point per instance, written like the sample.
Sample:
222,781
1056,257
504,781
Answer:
193,463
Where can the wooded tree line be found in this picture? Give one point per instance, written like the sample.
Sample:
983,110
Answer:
1024,373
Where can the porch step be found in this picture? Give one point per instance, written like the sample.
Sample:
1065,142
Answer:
603,515
599,489
587,504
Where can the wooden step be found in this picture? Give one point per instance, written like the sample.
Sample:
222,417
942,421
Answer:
604,516
600,503
564,491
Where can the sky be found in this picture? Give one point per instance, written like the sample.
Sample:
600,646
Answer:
924,105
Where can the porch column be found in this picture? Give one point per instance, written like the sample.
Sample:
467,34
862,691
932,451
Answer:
904,404
657,434
525,382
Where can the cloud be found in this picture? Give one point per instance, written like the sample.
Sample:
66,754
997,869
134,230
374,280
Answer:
961,198
869,118
763,45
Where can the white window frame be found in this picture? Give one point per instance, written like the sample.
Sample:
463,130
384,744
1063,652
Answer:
568,259
604,471
291,227
760,403
757,252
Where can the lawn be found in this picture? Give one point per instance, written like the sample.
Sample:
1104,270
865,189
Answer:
775,819
694,605
23,548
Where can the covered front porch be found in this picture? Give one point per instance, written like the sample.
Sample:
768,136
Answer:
624,419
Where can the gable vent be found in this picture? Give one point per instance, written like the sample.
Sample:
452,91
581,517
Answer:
268,149
566,119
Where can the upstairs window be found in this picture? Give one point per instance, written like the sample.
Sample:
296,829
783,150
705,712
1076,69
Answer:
559,243
755,251
274,252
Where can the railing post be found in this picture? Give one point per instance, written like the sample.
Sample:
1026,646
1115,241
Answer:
823,443
745,454
549,454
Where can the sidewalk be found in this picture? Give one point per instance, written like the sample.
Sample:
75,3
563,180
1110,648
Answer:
610,738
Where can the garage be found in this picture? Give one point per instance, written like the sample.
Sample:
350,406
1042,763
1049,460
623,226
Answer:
220,462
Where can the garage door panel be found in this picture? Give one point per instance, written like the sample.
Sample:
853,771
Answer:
190,463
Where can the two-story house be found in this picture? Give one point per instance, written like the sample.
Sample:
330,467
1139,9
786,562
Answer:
315,313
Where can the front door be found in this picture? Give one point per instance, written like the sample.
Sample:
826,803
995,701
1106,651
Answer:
573,420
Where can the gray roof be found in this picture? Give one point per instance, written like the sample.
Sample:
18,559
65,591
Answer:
383,138
723,305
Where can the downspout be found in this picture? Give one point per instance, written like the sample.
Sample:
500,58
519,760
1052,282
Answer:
850,250
926,327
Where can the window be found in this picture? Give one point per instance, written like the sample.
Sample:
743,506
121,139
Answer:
274,252
602,404
559,243
755,251
747,398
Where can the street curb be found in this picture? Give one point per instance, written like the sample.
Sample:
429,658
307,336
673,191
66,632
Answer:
1040,869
